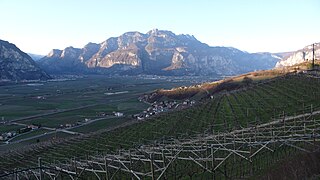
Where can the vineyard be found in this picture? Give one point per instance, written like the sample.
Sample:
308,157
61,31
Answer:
236,134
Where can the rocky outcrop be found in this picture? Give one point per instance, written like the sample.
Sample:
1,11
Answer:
156,52
300,56
17,65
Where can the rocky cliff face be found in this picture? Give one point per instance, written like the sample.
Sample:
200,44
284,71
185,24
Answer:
17,65
300,56
156,52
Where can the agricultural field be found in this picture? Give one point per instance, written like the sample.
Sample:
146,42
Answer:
81,105
262,102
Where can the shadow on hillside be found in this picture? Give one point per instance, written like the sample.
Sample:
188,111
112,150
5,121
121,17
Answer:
301,166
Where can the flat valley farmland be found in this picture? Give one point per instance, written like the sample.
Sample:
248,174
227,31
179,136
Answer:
33,112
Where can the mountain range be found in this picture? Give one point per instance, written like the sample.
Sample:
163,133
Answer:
17,65
157,52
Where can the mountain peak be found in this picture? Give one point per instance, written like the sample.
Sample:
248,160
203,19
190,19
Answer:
70,52
153,31
54,53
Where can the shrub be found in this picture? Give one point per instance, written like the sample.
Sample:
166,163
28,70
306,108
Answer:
246,80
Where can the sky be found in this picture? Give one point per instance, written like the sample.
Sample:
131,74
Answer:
37,26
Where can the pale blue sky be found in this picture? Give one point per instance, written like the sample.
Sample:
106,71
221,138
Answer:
37,26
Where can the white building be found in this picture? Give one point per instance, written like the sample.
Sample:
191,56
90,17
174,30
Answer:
118,114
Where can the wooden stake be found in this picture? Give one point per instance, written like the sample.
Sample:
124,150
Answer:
152,166
106,167
213,164
164,162
40,168
130,159
15,174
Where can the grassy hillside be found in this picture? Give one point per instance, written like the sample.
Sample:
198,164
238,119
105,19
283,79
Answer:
203,91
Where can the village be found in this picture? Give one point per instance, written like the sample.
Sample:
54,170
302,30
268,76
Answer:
155,108
11,134
162,106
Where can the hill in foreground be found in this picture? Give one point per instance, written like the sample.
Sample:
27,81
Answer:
207,90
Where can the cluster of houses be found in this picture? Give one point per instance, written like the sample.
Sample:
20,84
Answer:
118,114
7,135
40,97
163,106
69,125
114,113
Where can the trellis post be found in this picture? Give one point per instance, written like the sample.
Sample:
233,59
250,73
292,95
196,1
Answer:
15,174
250,158
213,164
40,168
164,163
75,166
106,167
152,166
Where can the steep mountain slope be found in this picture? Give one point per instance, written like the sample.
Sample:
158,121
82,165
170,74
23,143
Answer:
17,65
156,52
300,56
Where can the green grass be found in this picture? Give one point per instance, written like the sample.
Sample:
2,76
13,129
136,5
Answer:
101,124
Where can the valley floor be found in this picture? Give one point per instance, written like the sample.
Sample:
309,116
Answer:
33,112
